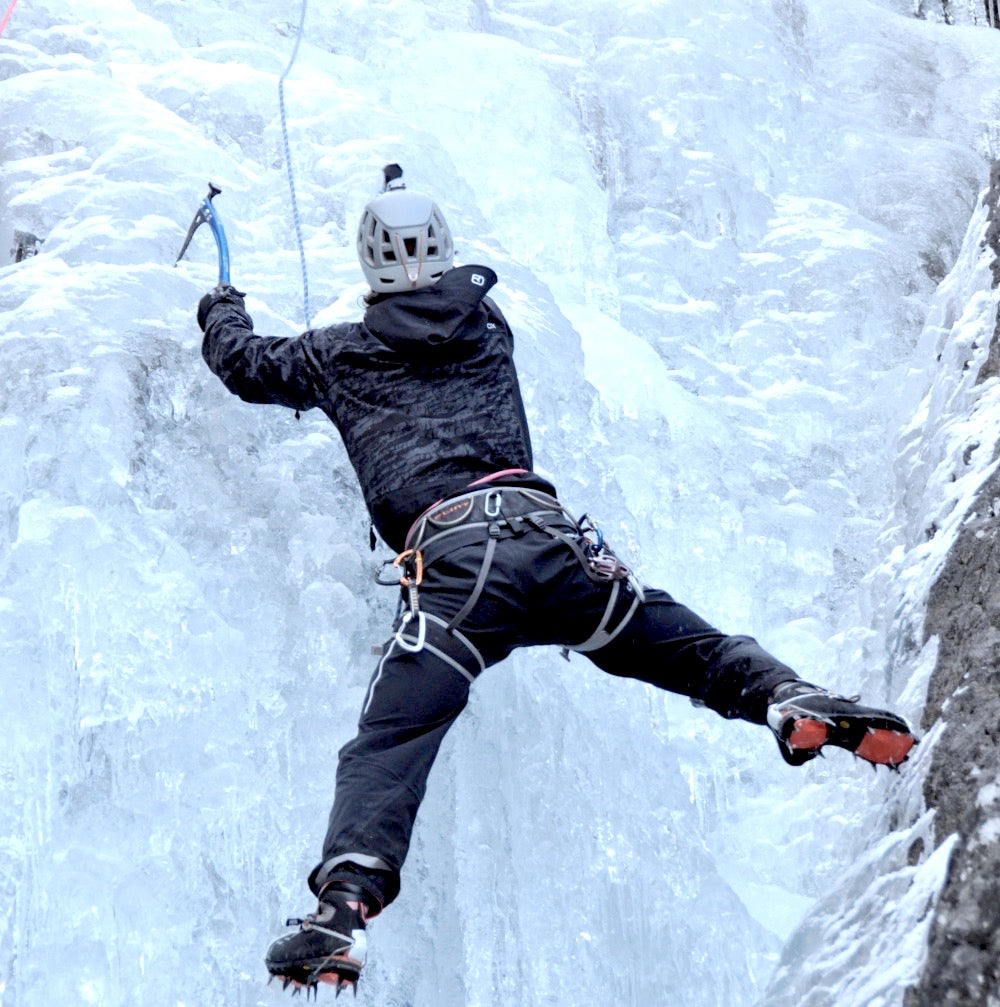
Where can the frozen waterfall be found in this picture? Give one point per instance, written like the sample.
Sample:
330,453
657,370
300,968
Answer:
719,230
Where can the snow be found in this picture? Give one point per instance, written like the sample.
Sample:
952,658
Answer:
721,237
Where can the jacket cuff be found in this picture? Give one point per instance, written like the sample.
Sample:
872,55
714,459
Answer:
222,294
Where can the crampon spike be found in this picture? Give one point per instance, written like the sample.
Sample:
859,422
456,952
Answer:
311,984
339,983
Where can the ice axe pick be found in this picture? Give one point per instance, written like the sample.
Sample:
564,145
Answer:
207,214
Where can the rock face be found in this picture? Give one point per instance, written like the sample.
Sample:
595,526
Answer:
963,783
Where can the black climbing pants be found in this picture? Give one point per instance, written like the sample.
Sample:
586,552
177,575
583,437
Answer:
537,591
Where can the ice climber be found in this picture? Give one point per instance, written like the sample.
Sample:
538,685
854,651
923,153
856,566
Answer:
424,393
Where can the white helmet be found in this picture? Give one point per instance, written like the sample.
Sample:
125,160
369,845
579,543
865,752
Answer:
403,239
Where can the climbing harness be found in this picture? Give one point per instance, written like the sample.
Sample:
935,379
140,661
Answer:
492,514
288,165
207,214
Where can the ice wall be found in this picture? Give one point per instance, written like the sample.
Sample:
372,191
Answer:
717,232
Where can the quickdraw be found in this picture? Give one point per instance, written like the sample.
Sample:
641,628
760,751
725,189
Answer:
411,563
602,561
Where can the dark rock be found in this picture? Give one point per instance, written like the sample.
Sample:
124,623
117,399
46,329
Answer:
963,783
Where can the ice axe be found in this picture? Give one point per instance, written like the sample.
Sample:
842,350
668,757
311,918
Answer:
207,214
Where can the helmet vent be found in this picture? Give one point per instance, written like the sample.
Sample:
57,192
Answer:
388,252
403,241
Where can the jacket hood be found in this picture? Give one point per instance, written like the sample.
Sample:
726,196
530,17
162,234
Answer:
441,321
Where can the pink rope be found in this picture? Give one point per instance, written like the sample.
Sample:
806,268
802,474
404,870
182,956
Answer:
7,14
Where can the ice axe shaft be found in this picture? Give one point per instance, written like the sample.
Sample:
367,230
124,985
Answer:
207,214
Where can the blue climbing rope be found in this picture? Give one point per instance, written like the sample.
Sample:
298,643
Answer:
288,165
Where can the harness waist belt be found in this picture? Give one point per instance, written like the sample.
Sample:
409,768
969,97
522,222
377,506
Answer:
499,510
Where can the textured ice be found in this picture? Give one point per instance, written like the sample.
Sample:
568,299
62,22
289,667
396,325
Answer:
718,233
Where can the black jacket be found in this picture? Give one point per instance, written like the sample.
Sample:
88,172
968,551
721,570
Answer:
423,390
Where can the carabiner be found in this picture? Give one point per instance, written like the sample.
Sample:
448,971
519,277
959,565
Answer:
492,508
412,647
404,559
587,524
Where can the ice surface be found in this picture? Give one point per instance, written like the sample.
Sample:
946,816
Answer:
718,233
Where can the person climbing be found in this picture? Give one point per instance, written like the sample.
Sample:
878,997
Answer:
424,393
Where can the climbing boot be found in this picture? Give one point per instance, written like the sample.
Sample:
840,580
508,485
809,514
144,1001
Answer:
805,718
329,946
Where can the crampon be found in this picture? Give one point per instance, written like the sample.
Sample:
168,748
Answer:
329,948
341,974
805,719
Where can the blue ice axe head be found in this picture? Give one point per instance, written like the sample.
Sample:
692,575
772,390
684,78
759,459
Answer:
207,214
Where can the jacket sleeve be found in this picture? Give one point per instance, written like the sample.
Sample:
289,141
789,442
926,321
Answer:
273,370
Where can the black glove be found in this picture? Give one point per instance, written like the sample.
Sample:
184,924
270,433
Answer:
222,294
